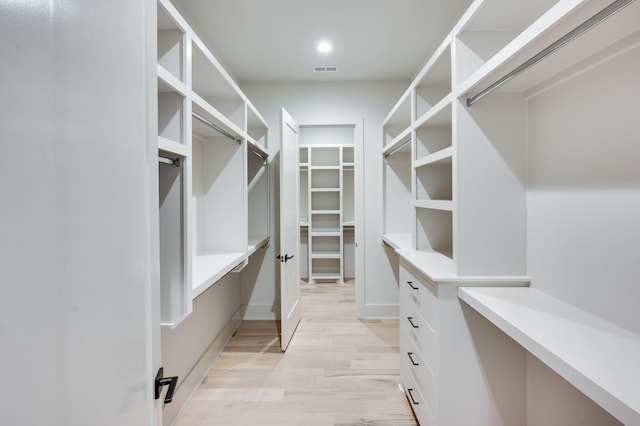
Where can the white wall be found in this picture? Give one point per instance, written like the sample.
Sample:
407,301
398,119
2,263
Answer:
76,235
583,215
583,208
309,102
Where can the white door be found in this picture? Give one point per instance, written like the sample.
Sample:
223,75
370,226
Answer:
79,323
289,229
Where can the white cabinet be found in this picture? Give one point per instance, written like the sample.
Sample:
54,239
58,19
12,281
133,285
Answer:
444,374
327,209
213,179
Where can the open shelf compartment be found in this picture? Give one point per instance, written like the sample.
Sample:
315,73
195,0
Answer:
215,88
435,82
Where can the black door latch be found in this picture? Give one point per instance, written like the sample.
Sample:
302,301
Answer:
164,381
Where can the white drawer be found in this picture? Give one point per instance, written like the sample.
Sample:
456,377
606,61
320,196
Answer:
420,291
422,372
415,398
421,333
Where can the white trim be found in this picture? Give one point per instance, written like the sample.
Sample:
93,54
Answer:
390,311
260,312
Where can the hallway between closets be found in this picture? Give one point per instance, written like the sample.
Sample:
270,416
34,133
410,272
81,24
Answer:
337,370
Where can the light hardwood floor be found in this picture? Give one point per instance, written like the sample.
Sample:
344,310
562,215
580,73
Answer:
336,371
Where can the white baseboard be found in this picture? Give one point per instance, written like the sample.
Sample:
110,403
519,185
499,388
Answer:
271,312
261,312
182,395
379,312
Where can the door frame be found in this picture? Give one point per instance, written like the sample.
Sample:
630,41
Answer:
358,150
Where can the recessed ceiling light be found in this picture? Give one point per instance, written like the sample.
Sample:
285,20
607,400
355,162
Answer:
324,47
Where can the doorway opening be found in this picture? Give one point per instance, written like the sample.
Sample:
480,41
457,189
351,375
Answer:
330,205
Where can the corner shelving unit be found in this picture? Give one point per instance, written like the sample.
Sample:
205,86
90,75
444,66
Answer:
213,181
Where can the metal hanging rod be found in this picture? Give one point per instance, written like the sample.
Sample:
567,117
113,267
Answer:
216,127
389,154
562,41
264,157
172,161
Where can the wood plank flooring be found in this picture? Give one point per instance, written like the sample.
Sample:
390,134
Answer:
336,371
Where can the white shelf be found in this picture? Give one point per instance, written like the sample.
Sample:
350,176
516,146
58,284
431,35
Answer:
398,120
325,167
398,141
165,144
597,357
168,82
325,189
441,157
333,233
304,224
558,21
324,211
204,108
256,243
320,255
326,276
398,241
438,116
445,205
209,268
257,148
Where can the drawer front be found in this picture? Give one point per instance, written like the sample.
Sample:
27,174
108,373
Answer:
423,375
419,291
420,332
415,398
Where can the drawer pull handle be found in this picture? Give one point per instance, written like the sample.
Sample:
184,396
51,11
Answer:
410,283
411,358
411,322
411,396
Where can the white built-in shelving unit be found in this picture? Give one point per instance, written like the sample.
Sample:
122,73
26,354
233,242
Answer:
213,179
327,201
327,208
462,196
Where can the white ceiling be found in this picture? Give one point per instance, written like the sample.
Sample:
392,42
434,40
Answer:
275,40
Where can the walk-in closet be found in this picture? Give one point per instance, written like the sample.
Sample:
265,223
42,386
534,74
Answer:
324,213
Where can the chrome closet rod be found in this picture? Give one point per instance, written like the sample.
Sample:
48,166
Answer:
389,154
216,128
172,161
561,42
264,157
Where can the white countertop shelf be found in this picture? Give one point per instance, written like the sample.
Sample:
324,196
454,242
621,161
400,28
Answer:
207,269
398,241
256,242
440,268
599,358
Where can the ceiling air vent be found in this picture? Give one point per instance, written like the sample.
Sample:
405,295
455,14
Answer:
330,68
